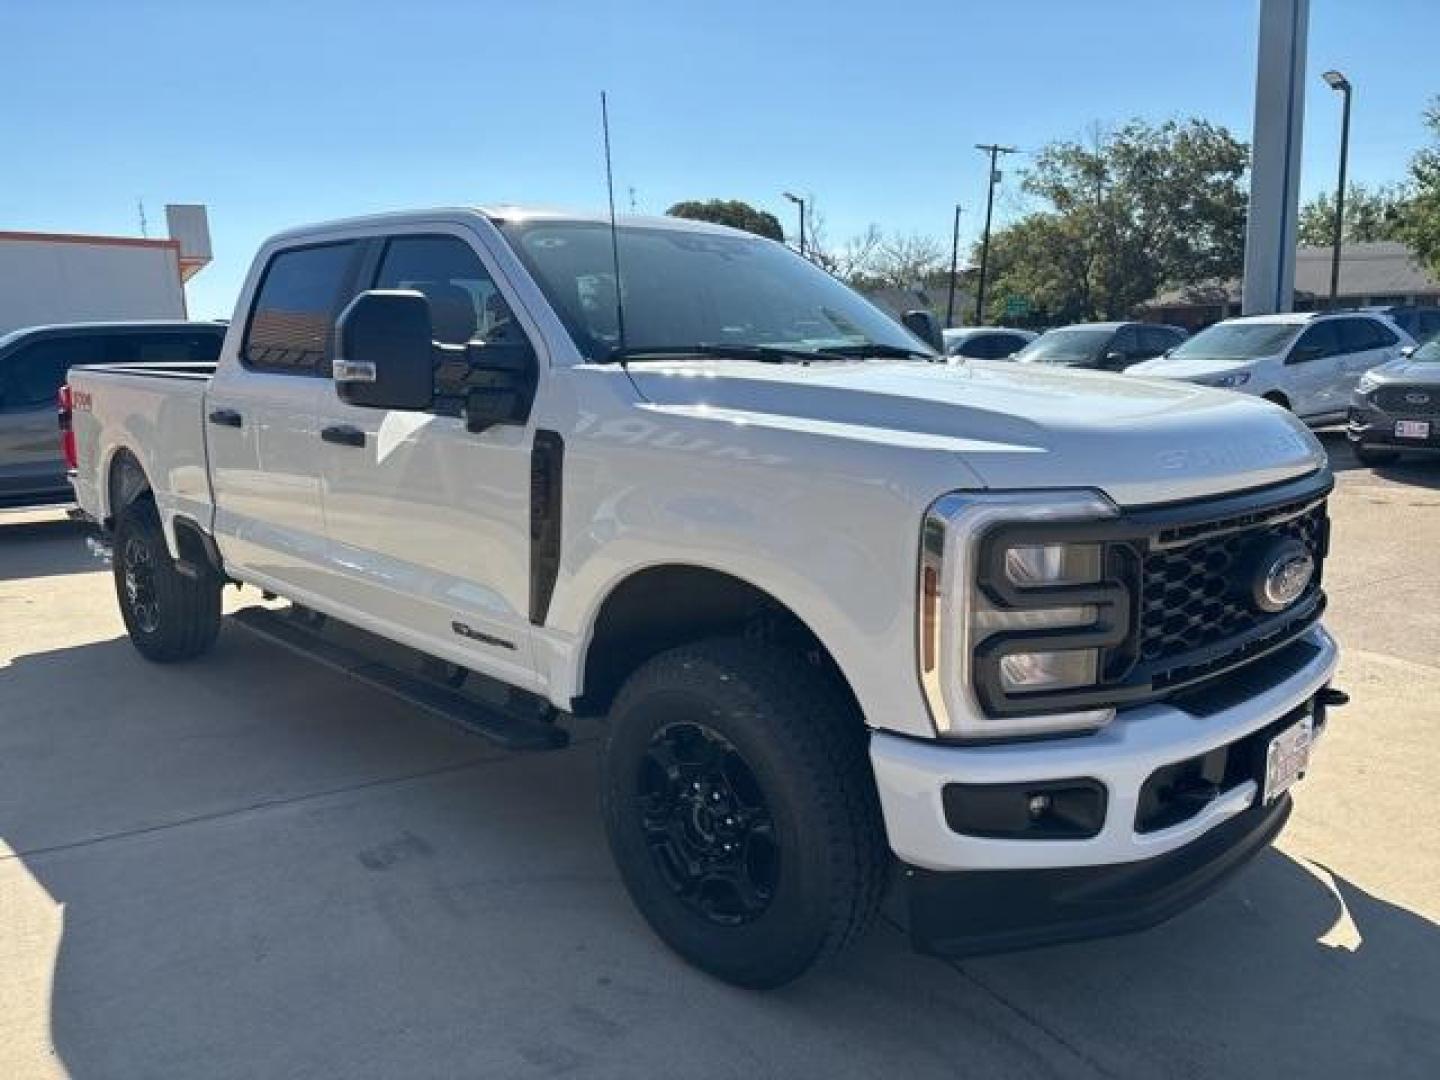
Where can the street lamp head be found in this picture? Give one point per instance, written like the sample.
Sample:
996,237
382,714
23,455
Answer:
1337,81
796,199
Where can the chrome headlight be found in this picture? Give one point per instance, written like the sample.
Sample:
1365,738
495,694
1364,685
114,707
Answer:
1005,616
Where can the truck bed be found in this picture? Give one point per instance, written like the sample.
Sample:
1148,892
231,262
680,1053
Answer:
155,412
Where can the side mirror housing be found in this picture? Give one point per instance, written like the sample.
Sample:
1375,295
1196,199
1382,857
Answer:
384,357
1115,361
1407,351
925,326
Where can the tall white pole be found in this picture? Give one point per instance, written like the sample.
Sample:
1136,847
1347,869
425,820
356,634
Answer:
1270,232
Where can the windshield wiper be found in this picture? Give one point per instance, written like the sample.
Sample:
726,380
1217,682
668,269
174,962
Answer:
880,349
766,354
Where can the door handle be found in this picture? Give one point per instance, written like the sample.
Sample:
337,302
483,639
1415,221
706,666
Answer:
226,418
343,435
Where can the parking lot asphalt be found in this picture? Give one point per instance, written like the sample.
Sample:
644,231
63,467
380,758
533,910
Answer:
249,866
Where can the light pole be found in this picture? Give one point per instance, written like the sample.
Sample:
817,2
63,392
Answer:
954,260
994,151
1338,82
798,201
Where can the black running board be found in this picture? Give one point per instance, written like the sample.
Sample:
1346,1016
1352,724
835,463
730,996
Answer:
506,729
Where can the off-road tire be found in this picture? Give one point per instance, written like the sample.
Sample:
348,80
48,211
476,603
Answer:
171,617
807,749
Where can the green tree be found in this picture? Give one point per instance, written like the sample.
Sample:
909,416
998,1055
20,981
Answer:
732,212
1421,228
1126,214
1370,214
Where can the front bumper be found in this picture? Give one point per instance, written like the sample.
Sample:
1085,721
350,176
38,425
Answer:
1130,870
1370,426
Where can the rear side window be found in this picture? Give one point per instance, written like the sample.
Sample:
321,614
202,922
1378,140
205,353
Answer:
1009,344
1358,335
167,347
977,347
1156,339
31,376
293,317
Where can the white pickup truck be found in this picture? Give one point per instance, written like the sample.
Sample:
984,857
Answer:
1039,648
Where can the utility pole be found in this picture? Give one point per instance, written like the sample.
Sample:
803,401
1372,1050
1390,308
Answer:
994,150
954,261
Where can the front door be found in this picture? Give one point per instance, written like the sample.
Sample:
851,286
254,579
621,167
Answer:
1313,370
429,523
261,433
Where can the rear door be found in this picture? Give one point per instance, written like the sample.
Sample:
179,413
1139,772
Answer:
1365,343
261,432
31,464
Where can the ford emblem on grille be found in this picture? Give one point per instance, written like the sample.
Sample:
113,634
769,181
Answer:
1417,398
1282,574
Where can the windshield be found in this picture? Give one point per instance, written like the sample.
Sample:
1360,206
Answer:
1429,353
1072,345
1237,341
685,288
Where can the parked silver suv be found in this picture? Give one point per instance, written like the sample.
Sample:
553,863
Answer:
33,363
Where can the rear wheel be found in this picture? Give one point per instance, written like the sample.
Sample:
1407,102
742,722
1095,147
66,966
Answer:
741,810
1375,455
169,615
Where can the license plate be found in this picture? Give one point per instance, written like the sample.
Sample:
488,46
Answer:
1287,759
1412,429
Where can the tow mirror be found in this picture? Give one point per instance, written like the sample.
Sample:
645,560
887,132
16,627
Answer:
925,326
491,382
384,358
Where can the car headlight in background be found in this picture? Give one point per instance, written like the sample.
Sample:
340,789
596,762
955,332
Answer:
1227,382
984,597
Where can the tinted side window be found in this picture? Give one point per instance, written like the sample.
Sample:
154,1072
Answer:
293,317
1324,337
1384,336
177,346
30,377
464,303
1010,343
1125,341
1429,325
1156,339
1358,335
979,347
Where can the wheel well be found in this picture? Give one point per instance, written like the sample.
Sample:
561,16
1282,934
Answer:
666,606
1278,398
126,483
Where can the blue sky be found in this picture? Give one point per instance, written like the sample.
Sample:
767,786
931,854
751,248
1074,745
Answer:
278,114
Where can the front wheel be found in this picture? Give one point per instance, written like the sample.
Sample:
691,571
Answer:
741,810
169,615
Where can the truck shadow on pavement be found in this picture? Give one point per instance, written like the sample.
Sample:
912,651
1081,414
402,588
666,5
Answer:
45,547
247,866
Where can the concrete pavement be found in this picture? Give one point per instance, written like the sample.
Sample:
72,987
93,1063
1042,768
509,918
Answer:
249,866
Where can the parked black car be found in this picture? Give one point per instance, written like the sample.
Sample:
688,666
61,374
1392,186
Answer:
1397,407
1108,346
33,363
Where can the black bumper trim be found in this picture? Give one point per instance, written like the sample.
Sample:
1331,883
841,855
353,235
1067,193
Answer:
973,912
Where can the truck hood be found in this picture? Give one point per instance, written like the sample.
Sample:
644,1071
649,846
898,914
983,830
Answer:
1419,372
1014,425
1190,367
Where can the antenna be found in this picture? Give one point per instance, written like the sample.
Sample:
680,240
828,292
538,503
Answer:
614,233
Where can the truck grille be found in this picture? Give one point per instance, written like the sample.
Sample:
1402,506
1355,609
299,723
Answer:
1397,399
1194,595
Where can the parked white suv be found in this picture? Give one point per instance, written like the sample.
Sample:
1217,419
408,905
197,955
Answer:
1308,362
